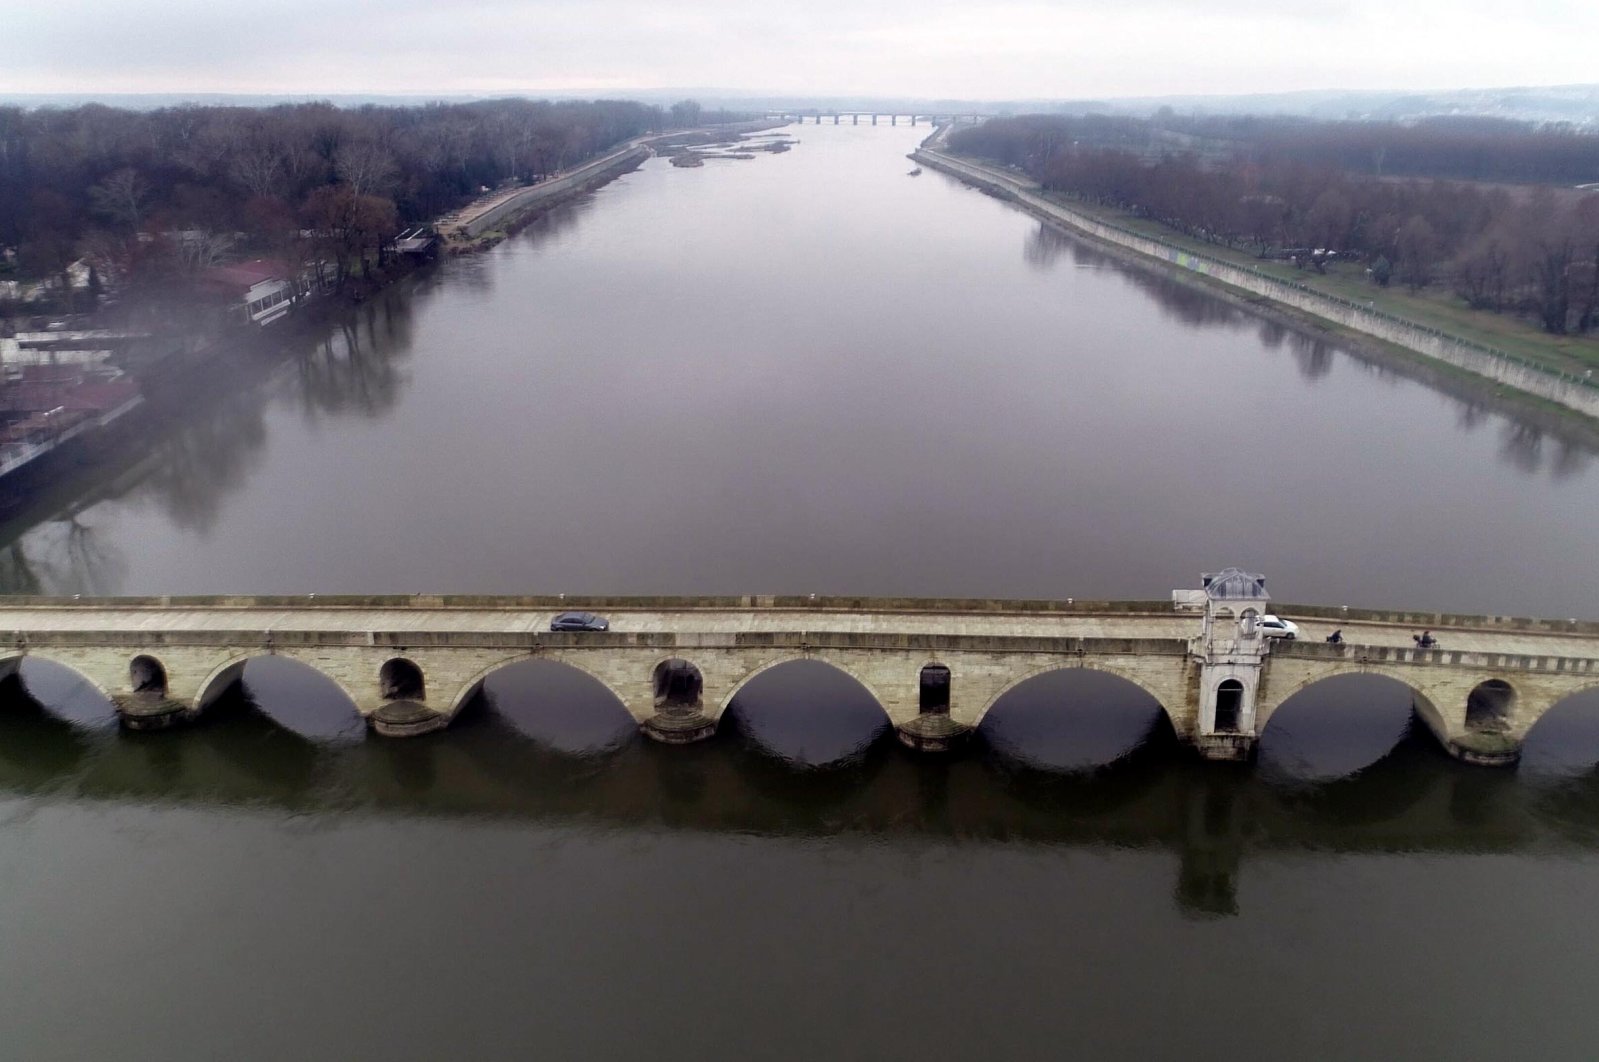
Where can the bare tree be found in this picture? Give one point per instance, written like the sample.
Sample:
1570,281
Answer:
120,198
367,167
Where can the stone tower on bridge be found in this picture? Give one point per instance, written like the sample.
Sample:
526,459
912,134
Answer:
1231,653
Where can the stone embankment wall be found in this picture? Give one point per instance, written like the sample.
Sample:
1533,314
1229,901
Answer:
475,220
1575,392
472,225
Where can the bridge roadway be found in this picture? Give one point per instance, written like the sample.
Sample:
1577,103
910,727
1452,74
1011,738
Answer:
1158,620
410,663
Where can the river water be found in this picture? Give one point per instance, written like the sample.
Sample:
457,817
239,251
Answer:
805,372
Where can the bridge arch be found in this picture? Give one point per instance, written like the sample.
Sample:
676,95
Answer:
475,683
807,712
677,683
400,679
1337,727
933,684
1425,708
1070,720
1107,669
12,664
1491,705
226,674
1564,737
877,697
146,674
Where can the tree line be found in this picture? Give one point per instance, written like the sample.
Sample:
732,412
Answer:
1412,202
142,193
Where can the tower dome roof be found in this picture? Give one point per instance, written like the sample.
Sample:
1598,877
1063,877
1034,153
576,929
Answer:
1235,584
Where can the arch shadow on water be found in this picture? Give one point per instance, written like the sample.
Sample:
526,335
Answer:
805,730
1350,749
1076,740
552,704
241,749
285,693
1560,766
52,716
1074,720
805,713
63,693
50,721
1564,742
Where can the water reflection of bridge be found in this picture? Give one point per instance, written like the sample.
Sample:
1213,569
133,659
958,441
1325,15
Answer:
1215,822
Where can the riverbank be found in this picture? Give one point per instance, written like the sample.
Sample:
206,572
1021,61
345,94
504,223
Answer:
1376,333
173,377
485,222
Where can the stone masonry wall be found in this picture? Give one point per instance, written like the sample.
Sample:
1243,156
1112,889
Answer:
550,189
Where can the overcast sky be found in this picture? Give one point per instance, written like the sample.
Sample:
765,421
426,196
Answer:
912,48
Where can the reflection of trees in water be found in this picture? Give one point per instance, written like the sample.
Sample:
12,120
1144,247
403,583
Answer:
352,370
18,573
1569,459
558,221
1471,416
1522,446
211,444
1312,356
476,272
64,556
1272,333
1185,303
194,468
1529,448
1188,304
1045,246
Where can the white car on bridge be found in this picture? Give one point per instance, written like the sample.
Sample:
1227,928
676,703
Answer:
1276,627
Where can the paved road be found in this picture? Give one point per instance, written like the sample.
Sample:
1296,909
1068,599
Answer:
737,620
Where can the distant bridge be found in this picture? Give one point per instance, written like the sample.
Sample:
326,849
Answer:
893,117
936,667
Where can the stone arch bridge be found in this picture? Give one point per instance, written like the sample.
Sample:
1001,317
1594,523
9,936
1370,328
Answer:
936,667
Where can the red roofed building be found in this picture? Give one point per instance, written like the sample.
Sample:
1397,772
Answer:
262,288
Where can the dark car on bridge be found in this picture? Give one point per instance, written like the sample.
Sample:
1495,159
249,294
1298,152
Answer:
579,621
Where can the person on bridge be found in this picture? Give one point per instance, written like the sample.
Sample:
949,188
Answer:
1336,638
1425,640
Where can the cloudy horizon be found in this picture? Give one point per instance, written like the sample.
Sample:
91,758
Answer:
938,49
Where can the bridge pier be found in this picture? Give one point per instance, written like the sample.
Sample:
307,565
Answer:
1225,748
932,732
678,726
1484,749
150,711
933,728
402,718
